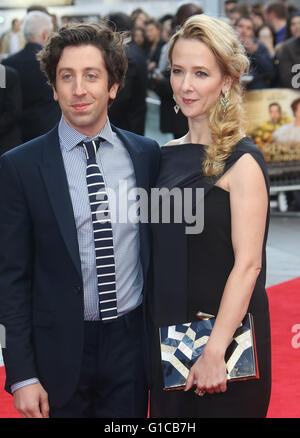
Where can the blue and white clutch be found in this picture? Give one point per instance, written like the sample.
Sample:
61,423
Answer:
182,344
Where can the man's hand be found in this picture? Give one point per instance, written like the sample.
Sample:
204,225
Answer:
32,401
250,45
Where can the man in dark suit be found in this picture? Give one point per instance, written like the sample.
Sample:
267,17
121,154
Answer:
72,284
288,63
40,112
10,110
128,111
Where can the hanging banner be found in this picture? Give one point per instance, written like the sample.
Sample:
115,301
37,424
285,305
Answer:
273,122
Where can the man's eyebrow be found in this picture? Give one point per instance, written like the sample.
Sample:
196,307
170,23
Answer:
85,69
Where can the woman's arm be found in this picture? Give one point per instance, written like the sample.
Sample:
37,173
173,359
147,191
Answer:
249,204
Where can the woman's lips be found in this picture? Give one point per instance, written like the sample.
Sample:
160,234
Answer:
188,101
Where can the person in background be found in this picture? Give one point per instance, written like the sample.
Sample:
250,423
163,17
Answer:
238,11
167,29
257,15
139,18
10,110
55,22
293,26
184,12
276,15
37,8
261,63
153,34
290,132
265,34
228,5
275,114
219,269
128,111
139,38
288,61
40,112
14,40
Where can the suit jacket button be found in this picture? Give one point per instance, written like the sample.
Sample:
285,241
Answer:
78,289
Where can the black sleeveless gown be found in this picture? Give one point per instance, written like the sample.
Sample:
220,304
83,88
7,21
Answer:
189,275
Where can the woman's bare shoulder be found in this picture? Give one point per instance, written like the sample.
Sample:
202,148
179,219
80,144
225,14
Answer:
177,141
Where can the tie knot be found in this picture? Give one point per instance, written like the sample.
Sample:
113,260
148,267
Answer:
91,147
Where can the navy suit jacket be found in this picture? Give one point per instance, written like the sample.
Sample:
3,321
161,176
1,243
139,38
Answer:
41,287
40,112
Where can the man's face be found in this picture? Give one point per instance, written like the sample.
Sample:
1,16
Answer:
275,113
269,18
245,29
228,6
297,112
16,26
82,88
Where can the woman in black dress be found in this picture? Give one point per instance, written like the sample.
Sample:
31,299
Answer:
220,270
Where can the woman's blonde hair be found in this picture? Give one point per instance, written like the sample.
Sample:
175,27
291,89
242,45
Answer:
226,126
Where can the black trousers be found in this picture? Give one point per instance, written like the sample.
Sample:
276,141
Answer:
112,382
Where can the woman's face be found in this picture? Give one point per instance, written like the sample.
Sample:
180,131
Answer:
139,37
152,33
140,20
295,26
196,78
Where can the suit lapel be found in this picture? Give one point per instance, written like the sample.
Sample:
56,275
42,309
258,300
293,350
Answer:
142,181
54,175
135,153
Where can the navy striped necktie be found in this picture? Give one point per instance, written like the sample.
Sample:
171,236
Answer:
103,236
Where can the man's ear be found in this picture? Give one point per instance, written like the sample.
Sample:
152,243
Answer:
113,91
55,96
44,36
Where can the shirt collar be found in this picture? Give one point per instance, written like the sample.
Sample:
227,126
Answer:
69,137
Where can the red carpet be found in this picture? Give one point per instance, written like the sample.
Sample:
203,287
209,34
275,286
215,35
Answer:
7,409
284,301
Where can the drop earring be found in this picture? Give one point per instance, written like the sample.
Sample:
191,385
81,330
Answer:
176,107
225,100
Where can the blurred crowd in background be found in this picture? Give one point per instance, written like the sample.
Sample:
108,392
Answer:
269,32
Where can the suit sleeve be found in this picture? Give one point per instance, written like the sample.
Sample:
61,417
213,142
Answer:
285,67
12,101
16,255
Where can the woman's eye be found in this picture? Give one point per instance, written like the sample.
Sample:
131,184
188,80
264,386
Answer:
176,71
201,74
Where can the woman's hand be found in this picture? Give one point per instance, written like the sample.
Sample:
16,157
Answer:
208,373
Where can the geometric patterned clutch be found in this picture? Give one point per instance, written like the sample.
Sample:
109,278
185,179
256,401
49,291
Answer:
182,344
